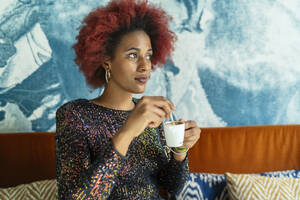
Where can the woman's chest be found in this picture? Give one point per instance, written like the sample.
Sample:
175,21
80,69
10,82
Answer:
145,156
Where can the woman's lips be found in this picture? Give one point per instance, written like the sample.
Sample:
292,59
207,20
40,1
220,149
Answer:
142,79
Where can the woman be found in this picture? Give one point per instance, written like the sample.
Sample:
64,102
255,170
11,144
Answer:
112,147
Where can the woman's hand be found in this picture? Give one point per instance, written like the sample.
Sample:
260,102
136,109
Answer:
191,136
150,111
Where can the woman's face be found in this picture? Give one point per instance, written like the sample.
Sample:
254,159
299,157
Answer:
131,66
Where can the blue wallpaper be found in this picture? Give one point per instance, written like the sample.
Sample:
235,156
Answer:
236,62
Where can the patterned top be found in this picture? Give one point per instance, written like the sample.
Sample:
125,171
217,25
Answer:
89,167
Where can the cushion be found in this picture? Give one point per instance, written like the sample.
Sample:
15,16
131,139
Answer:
210,186
206,186
246,186
39,190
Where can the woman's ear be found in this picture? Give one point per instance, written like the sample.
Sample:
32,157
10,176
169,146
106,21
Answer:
107,63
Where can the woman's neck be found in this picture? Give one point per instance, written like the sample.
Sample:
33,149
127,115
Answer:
115,100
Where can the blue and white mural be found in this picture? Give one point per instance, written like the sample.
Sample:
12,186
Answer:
235,63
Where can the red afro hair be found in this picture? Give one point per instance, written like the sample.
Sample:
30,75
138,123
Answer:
104,27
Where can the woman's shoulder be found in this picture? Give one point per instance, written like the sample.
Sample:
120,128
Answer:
74,105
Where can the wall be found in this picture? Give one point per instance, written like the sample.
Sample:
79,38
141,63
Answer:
236,62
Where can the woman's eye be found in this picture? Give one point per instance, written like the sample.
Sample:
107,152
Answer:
132,55
149,57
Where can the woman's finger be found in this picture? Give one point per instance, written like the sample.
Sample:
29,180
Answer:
167,110
158,111
192,131
191,138
162,101
156,117
190,124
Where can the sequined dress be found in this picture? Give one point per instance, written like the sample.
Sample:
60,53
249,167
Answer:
89,167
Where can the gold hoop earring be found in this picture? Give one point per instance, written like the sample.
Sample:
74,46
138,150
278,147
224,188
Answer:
107,75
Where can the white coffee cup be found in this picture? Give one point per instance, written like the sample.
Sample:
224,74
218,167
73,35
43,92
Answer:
174,133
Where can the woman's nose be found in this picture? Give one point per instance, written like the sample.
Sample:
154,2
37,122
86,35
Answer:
144,64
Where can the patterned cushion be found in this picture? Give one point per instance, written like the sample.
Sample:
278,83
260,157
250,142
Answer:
246,186
212,186
204,186
40,190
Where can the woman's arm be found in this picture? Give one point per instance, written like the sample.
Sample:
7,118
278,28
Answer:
77,176
174,173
